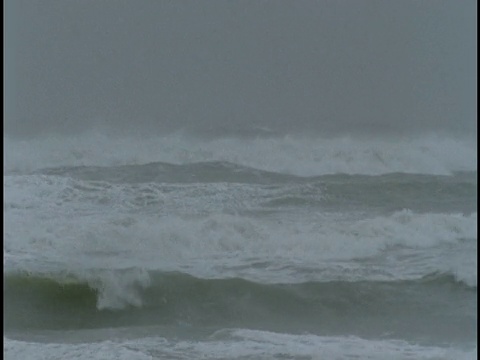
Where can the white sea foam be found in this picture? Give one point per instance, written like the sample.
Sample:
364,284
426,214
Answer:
227,245
291,155
237,344
59,214
105,234
117,289
15,350
251,343
179,237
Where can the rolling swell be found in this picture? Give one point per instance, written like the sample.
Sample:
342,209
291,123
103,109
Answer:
302,156
150,183
160,172
368,308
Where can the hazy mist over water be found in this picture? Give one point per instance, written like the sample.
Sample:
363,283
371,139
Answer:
240,67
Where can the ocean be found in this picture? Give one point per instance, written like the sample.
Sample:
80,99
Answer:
240,247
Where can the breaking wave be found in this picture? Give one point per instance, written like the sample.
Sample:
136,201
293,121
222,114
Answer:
300,156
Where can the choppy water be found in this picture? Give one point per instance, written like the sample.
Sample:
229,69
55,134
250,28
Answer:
265,248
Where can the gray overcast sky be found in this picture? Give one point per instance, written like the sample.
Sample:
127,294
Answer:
213,66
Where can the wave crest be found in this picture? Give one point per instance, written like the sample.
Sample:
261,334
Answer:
300,156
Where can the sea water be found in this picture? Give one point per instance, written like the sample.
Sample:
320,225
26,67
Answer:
273,247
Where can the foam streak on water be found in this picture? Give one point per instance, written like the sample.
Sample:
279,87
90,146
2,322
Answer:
238,344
